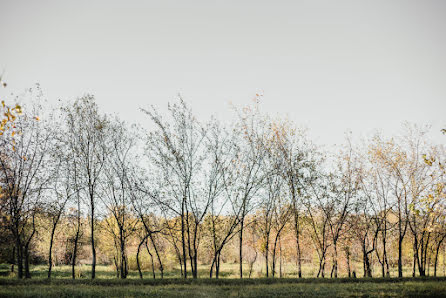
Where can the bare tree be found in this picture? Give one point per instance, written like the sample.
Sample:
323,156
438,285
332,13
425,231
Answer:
177,149
223,218
251,133
63,190
23,173
86,129
115,188
320,210
298,159
344,187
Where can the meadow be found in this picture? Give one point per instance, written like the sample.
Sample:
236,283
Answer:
107,285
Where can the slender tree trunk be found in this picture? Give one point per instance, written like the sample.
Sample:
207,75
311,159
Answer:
19,257
217,268
50,253
78,228
299,256
366,261
189,249
400,256
195,250
122,252
437,251
276,240
240,246
323,267
76,241
384,243
426,260
267,256
138,264
334,269
151,259
93,249
157,255
183,239
297,231
347,257
280,258
212,265
321,271
401,234
444,261
415,257
27,271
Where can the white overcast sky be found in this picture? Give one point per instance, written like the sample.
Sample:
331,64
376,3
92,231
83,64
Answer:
332,66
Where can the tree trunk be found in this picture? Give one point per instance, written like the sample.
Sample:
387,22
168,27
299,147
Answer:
73,261
297,231
366,261
78,228
280,258
212,265
334,269
274,252
19,257
384,243
299,256
50,253
240,247
195,249
347,257
138,264
183,239
93,249
151,259
122,252
267,256
415,257
321,271
400,256
437,251
27,272
217,267
157,255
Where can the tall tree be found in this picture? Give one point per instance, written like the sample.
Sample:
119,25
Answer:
250,133
86,129
23,174
177,150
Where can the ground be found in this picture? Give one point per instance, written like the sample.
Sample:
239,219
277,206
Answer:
108,286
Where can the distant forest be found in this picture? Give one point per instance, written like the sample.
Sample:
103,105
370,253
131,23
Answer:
82,187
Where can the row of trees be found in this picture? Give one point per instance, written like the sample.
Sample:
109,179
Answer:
190,186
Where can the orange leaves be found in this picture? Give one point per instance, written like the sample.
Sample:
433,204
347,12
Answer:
9,116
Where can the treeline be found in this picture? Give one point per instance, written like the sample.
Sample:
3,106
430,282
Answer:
191,192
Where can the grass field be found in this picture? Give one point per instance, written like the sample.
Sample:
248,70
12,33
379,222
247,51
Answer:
106,285
224,288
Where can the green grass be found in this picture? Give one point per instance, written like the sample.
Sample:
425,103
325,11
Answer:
224,288
107,285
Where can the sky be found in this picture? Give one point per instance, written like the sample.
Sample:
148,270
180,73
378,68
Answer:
331,66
